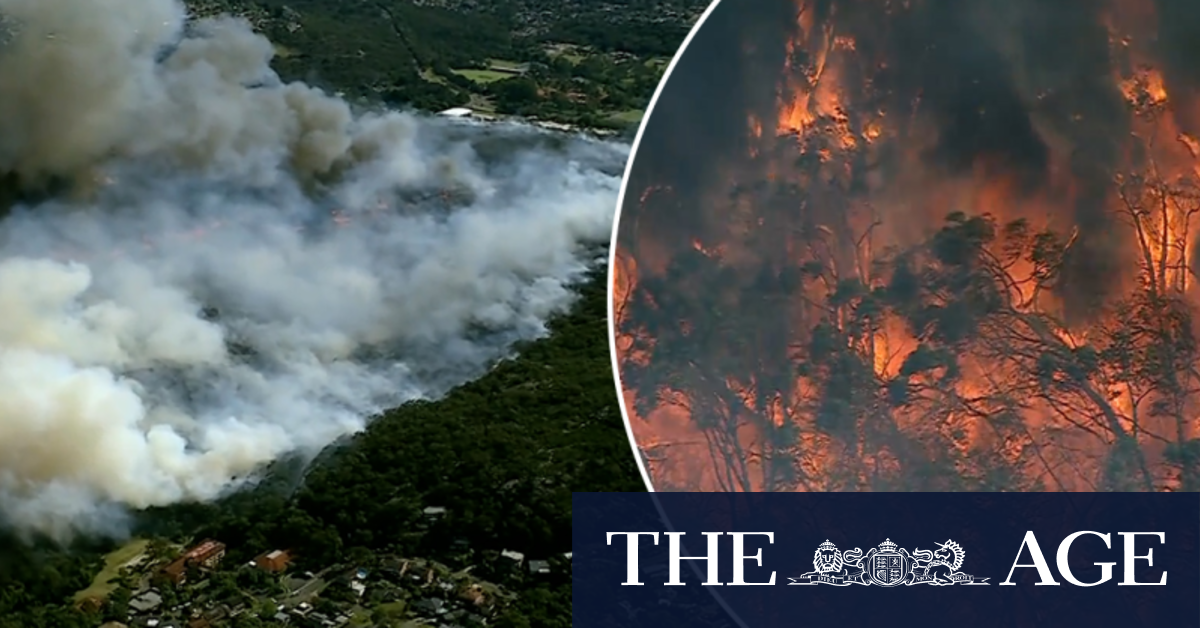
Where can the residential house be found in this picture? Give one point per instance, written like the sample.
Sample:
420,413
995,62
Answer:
513,558
176,571
146,602
207,554
539,567
274,561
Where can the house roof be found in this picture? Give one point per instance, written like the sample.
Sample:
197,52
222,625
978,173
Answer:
205,549
146,601
176,568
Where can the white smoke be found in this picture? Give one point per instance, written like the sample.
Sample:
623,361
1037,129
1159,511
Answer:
191,310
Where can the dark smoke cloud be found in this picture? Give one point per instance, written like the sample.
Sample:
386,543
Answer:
700,118
1001,84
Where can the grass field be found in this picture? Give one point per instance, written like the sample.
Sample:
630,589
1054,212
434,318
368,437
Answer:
484,76
498,69
502,65
113,562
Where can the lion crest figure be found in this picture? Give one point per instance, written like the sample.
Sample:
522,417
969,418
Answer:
829,562
827,559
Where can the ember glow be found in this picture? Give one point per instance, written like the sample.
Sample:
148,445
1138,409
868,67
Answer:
950,246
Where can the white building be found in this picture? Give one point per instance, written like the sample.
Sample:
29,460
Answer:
457,112
516,558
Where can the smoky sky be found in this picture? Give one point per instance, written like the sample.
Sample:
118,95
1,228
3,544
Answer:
726,72
990,80
979,72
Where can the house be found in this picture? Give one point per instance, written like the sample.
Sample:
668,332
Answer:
456,112
145,602
515,558
274,561
207,554
554,126
176,571
539,567
434,512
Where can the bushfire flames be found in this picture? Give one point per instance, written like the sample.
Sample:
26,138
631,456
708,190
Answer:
954,268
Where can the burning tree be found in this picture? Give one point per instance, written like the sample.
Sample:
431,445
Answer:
815,340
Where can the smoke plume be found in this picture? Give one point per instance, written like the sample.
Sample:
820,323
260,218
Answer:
207,269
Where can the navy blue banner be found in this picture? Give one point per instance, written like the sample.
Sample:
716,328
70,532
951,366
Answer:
977,560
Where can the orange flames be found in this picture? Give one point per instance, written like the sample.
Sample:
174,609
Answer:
778,351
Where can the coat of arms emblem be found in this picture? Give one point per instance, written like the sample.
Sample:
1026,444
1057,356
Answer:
888,565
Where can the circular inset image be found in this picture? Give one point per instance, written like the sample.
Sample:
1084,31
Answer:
928,245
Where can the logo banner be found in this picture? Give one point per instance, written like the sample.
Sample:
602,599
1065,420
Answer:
1016,560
